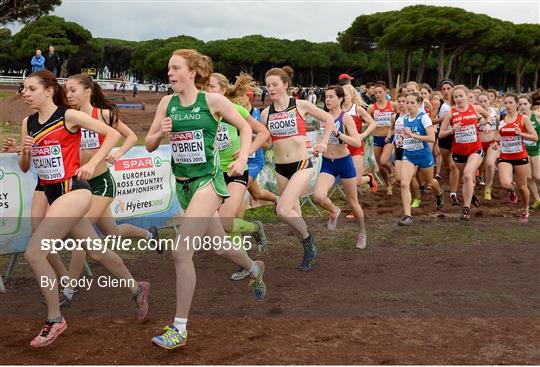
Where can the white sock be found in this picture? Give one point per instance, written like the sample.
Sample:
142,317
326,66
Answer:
255,270
453,193
180,325
148,235
68,292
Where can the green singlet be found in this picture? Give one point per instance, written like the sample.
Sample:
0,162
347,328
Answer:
193,153
228,141
533,147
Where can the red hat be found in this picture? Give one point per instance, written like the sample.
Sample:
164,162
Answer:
345,76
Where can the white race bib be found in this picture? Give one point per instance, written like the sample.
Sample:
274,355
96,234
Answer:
48,162
187,147
412,144
382,119
223,139
333,139
89,139
466,134
511,144
283,123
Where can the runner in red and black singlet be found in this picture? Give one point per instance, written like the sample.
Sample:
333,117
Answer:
51,139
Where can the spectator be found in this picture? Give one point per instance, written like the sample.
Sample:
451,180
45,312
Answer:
345,79
311,96
52,61
135,90
369,95
115,87
38,61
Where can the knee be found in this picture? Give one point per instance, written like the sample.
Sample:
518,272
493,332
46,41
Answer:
33,255
404,185
319,197
282,209
467,177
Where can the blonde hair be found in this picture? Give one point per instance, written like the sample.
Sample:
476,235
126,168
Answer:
459,86
355,99
235,93
199,63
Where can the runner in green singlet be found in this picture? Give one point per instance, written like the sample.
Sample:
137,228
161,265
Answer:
189,118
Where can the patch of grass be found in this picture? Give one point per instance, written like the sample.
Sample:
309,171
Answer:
10,130
5,95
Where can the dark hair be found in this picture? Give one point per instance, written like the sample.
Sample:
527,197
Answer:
285,73
48,80
511,95
380,85
97,98
478,87
369,85
447,81
338,89
416,96
535,97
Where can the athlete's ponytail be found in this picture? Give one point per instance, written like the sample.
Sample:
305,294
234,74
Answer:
285,73
97,98
48,80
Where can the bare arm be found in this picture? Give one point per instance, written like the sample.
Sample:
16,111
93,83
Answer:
27,143
129,139
322,116
80,119
352,137
445,126
160,126
368,119
531,133
219,105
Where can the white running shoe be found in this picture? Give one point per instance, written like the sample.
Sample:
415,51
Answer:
332,221
361,242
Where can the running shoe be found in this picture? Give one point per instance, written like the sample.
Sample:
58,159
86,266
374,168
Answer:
536,205
454,199
440,200
524,216
239,274
389,190
171,339
481,181
260,238
405,221
416,203
373,185
310,253
49,333
257,284
475,201
361,241
142,300
487,194
512,196
438,176
155,236
332,221
465,214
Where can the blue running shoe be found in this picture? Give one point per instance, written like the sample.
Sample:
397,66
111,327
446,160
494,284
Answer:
171,339
257,284
310,253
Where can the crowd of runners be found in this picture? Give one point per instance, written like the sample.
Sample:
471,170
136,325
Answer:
421,138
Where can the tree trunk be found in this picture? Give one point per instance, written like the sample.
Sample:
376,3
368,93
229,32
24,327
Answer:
505,80
440,68
420,73
535,79
409,61
311,75
450,64
389,68
481,72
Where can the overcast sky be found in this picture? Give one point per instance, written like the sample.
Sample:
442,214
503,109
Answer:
219,19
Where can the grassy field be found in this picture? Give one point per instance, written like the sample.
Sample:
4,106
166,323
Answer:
6,95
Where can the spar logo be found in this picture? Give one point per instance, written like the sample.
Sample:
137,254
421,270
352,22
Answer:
55,150
134,163
292,114
119,207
